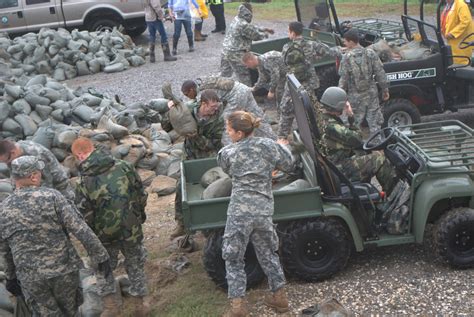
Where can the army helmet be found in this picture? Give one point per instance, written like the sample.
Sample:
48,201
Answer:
334,98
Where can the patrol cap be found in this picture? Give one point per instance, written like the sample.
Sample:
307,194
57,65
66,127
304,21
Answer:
23,166
334,98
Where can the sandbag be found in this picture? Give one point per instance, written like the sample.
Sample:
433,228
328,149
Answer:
6,186
65,139
212,175
34,99
296,185
4,110
83,112
116,130
60,154
220,188
136,61
44,136
121,150
13,91
160,105
59,74
43,111
27,124
5,302
149,162
114,68
21,106
134,155
82,68
12,126
71,164
164,162
179,115
37,80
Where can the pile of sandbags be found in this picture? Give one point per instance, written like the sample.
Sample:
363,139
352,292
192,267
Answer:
65,55
388,52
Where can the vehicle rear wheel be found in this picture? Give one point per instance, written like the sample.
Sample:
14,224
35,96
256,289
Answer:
103,24
315,250
399,111
328,77
455,237
215,265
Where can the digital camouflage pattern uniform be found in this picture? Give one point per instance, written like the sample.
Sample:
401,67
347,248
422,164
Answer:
360,71
271,74
237,41
299,55
34,227
112,199
250,163
237,96
54,174
343,146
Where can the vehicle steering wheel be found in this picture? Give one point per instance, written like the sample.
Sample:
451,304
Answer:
464,44
379,139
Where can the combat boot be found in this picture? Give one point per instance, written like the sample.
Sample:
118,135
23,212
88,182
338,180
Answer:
139,307
191,43
152,53
111,306
167,54
178,231
238,308
278,300
175,46
198,37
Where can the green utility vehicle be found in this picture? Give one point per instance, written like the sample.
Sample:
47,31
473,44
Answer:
321,225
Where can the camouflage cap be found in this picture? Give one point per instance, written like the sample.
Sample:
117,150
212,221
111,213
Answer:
25,165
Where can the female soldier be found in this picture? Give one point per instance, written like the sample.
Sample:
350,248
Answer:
250,161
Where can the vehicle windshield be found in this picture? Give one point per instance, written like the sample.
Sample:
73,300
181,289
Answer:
314,14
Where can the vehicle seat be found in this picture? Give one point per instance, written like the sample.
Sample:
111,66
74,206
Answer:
463,72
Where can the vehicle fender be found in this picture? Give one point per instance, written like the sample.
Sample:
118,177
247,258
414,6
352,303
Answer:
404,90
435,189
342,212
102,7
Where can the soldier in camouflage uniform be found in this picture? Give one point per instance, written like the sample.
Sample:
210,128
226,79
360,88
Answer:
271,73
360,72
250,161
343,145
54,174
205,143
237,41
236,96
112,199
299,55
34,226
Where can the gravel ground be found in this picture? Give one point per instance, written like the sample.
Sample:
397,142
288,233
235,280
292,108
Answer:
402,280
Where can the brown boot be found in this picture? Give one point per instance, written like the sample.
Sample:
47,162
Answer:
278,300
140,308
238,308
178,231
111,306
152,53
198,36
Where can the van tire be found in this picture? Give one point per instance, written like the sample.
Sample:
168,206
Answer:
215,265
304,240
455,237
399,111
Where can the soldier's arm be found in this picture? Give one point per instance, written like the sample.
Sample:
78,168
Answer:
84,204
253,32
136,182
351,138
274,76
320,50
72,221
6,253
285,160
223,159
344,73
59,175
378,70
262,78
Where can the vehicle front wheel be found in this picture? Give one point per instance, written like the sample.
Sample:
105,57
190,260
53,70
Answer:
215,265
399,111
315,250
455,237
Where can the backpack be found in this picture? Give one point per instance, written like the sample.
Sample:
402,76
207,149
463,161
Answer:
360,68
296,62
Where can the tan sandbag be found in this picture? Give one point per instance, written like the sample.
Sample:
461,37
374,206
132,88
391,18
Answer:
116,130
149,162
134,155
164,162
220,188
146,176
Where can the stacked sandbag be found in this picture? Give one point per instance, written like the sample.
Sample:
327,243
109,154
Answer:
65,55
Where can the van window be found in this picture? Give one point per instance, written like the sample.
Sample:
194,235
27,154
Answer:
8,4
28,2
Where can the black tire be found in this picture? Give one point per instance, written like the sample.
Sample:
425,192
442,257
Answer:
136,31
328,77
455,237
103,24
399,112
215,265
304,240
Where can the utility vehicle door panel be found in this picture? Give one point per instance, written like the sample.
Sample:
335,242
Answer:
11,16
41,13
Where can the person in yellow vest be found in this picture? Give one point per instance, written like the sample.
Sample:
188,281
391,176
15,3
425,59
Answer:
198,36
456,23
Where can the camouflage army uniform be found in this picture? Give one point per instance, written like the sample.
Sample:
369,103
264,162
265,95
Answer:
34,222
360,71
237,41
112,199
271,72
54,174
343,146
299,56
250,163
237,96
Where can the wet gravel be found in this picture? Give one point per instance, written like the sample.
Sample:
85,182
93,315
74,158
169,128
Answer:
401,280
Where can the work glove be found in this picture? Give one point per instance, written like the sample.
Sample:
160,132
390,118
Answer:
13,286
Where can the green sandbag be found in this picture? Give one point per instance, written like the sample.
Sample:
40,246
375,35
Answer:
60,154
58,115
296,185
17,72
39,54
136,61
59,74
83,112
29,48
28,68
37,80
116,130
21,106
159,104
13,91
91,100
12,126
42,67
55,60
44,136
51,94
220,188
13,49
94,66
121,150
6,186
82,68
34,99
5,302
4,110
54,85
211,176
148,162
65,139
114,68
35,117
53,50
27,124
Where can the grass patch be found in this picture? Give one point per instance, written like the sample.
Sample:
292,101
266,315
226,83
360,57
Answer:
284,10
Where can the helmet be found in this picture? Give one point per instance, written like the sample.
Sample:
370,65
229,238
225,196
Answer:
334,98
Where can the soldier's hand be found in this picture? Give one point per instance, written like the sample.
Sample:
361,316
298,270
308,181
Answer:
171,104
271,31
270,95
14,287
348,109
386,96
283,141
